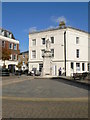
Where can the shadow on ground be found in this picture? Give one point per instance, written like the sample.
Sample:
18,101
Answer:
73,83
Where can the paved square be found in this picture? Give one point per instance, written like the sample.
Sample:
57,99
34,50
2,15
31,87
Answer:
47,98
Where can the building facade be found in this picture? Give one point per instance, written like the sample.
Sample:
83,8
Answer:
8,41
23,58
69,47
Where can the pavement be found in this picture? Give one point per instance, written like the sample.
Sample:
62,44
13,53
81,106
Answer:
26,97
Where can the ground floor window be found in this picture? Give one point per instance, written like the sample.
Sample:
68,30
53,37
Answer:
88,66
83,66
40,67
72,65
77,66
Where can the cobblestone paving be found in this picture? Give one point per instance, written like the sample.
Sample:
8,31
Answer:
43,88
35,88
14,109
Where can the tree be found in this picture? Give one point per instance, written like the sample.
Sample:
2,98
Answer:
62,24
19,65
5,55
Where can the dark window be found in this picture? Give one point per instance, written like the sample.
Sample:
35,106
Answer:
72,65
77,40
77,53
3,43
83,66
88,66
52,51
40,67
43,41
77,66
52,39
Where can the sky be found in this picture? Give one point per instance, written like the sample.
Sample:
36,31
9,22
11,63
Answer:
24,17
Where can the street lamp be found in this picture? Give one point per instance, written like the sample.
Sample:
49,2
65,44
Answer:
65,51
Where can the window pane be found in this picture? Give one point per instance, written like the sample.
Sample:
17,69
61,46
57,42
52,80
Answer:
42,52
3,43
33,54
77,40
77,53
15,47
52,51
43,40
72,65
52,39
34,42
83,66
77,66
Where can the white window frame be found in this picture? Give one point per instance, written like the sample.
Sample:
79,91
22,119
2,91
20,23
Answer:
43,39
11,57
77,40
4,43
52,42
33,42
78,67
33,55
77,53
52,52
15,48
11,45
42,52
15,57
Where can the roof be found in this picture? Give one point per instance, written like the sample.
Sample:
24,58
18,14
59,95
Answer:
24,52
7,31
52,29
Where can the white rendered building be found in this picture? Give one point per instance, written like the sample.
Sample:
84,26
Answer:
69,46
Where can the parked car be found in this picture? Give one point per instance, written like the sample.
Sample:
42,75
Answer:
18,72
4,72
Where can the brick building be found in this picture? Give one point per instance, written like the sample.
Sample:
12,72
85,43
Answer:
23,57
8,41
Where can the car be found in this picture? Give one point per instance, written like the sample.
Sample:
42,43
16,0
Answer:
4,72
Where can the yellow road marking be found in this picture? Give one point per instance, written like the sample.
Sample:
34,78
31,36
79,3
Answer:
82,99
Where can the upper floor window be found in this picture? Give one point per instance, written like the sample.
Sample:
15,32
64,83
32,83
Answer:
52,51
8,35
34,42
3,33
77,40
11,57
15,46
15,57
10,46
43,41
42,52
77,53
52,39
3,43
33,53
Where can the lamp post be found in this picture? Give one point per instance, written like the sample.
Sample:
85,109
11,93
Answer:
65,51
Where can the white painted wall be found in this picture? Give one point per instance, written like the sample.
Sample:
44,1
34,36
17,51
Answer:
71,46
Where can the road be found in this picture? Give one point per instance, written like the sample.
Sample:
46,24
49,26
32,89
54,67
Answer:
25,97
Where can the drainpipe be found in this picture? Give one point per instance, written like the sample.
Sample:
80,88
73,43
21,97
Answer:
65,51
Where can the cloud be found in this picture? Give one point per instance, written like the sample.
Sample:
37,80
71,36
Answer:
58,19
31,29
